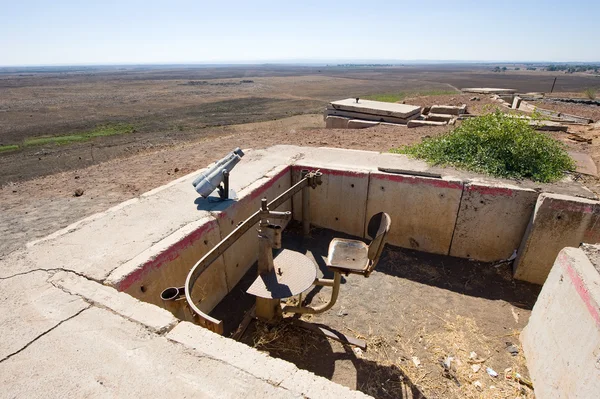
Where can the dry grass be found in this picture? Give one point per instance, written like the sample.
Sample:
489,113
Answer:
457,340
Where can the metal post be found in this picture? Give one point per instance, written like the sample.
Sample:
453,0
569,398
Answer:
552,89
268,310
225,192
305,207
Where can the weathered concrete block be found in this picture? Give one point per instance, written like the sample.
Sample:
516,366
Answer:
336,122
488,90
339,203
516,102
244,252
369,117
491,221
423,210
448,109
419,123
376,107
167,263
439,117
562,338
360,124
558,221
156,319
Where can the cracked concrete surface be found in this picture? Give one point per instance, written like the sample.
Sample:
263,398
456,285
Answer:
99,354
29,307
64,333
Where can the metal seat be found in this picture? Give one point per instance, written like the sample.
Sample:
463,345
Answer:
355,257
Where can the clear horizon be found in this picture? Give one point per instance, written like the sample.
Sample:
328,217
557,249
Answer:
94,33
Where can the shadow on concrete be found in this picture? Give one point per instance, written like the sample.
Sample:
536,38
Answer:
212,203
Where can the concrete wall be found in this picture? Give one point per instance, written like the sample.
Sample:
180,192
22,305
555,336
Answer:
339,203
562,338
558,221
423,210
491,221
167,263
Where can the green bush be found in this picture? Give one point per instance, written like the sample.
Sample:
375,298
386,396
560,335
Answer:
590,93
498,145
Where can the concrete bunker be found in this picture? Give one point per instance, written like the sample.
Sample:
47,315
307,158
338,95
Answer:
475,220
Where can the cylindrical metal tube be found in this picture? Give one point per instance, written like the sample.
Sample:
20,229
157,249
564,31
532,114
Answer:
305,207
173,302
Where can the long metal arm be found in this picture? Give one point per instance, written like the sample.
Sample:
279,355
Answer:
212,255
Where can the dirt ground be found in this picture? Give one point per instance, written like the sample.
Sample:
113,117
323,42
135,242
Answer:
414,312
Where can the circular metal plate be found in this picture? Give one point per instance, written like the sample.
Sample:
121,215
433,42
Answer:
293,273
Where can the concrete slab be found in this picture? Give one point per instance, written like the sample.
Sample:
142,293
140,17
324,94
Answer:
370,117
448,109
439,117
419,123
376,107
339,203
29,307
558,221
154,318
336,122
548,126
100,354
562,338
360,124
488,90
584,163
516,102
491,221
423,220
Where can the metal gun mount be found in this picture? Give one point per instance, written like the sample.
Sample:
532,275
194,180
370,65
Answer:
269,237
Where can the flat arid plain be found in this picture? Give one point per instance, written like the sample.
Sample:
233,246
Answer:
116,132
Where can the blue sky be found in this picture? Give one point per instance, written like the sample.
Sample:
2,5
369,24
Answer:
34,32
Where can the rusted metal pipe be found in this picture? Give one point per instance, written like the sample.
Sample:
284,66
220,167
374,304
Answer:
172,299
337,278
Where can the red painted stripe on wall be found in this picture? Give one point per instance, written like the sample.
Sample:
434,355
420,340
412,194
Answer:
490,190
168,255
579,285
418,180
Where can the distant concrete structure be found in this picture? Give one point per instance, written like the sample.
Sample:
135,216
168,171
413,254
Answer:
488,90
382,108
